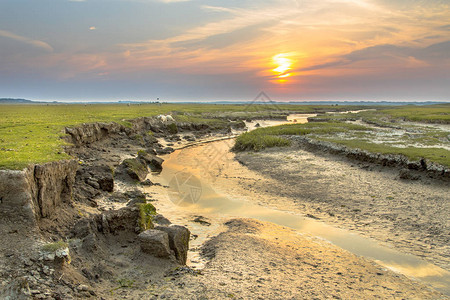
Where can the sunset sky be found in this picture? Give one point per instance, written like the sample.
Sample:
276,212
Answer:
181,50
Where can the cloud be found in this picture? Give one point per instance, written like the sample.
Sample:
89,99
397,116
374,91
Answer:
26,40
92,28
407,57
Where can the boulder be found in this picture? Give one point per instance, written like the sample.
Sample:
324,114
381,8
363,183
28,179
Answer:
166,150
155,242
133,168
147,182
154,162
113,221
161,220
178,240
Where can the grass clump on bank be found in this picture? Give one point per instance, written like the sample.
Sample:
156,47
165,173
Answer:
257,142
53,247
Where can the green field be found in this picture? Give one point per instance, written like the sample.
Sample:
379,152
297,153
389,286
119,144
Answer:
32,133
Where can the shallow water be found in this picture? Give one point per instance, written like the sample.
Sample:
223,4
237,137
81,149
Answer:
192,193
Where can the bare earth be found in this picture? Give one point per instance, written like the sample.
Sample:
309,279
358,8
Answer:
371,200
256,260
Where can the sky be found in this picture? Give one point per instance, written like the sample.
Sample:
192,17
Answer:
198,50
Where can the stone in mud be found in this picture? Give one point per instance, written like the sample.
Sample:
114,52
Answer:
135,197
155,242
166,150
147,182
154,162
201,220
178,239
189,138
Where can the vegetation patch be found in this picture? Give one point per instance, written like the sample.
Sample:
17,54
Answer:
53,247
146,213
172,128
257,142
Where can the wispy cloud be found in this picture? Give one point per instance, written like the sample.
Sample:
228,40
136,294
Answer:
26,40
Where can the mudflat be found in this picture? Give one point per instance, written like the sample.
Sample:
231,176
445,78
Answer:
371,200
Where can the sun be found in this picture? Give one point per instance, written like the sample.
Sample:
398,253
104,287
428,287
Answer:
284,65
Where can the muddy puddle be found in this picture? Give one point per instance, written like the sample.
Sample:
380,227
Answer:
192,191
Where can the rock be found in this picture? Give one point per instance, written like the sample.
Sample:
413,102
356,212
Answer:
154,162
189,138
104,177
408,175
147,182
202,220
155,242
93,183
92,132
178,240
257,125
82,287
166,150
133,168
135,197
161,220
113,221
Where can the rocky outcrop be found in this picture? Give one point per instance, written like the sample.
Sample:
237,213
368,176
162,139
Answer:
178,240
152,161
132,168
37,191
92,132
99,177
165,241
113,221
155,242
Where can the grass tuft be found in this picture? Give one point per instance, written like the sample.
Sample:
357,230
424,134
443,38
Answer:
53,247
